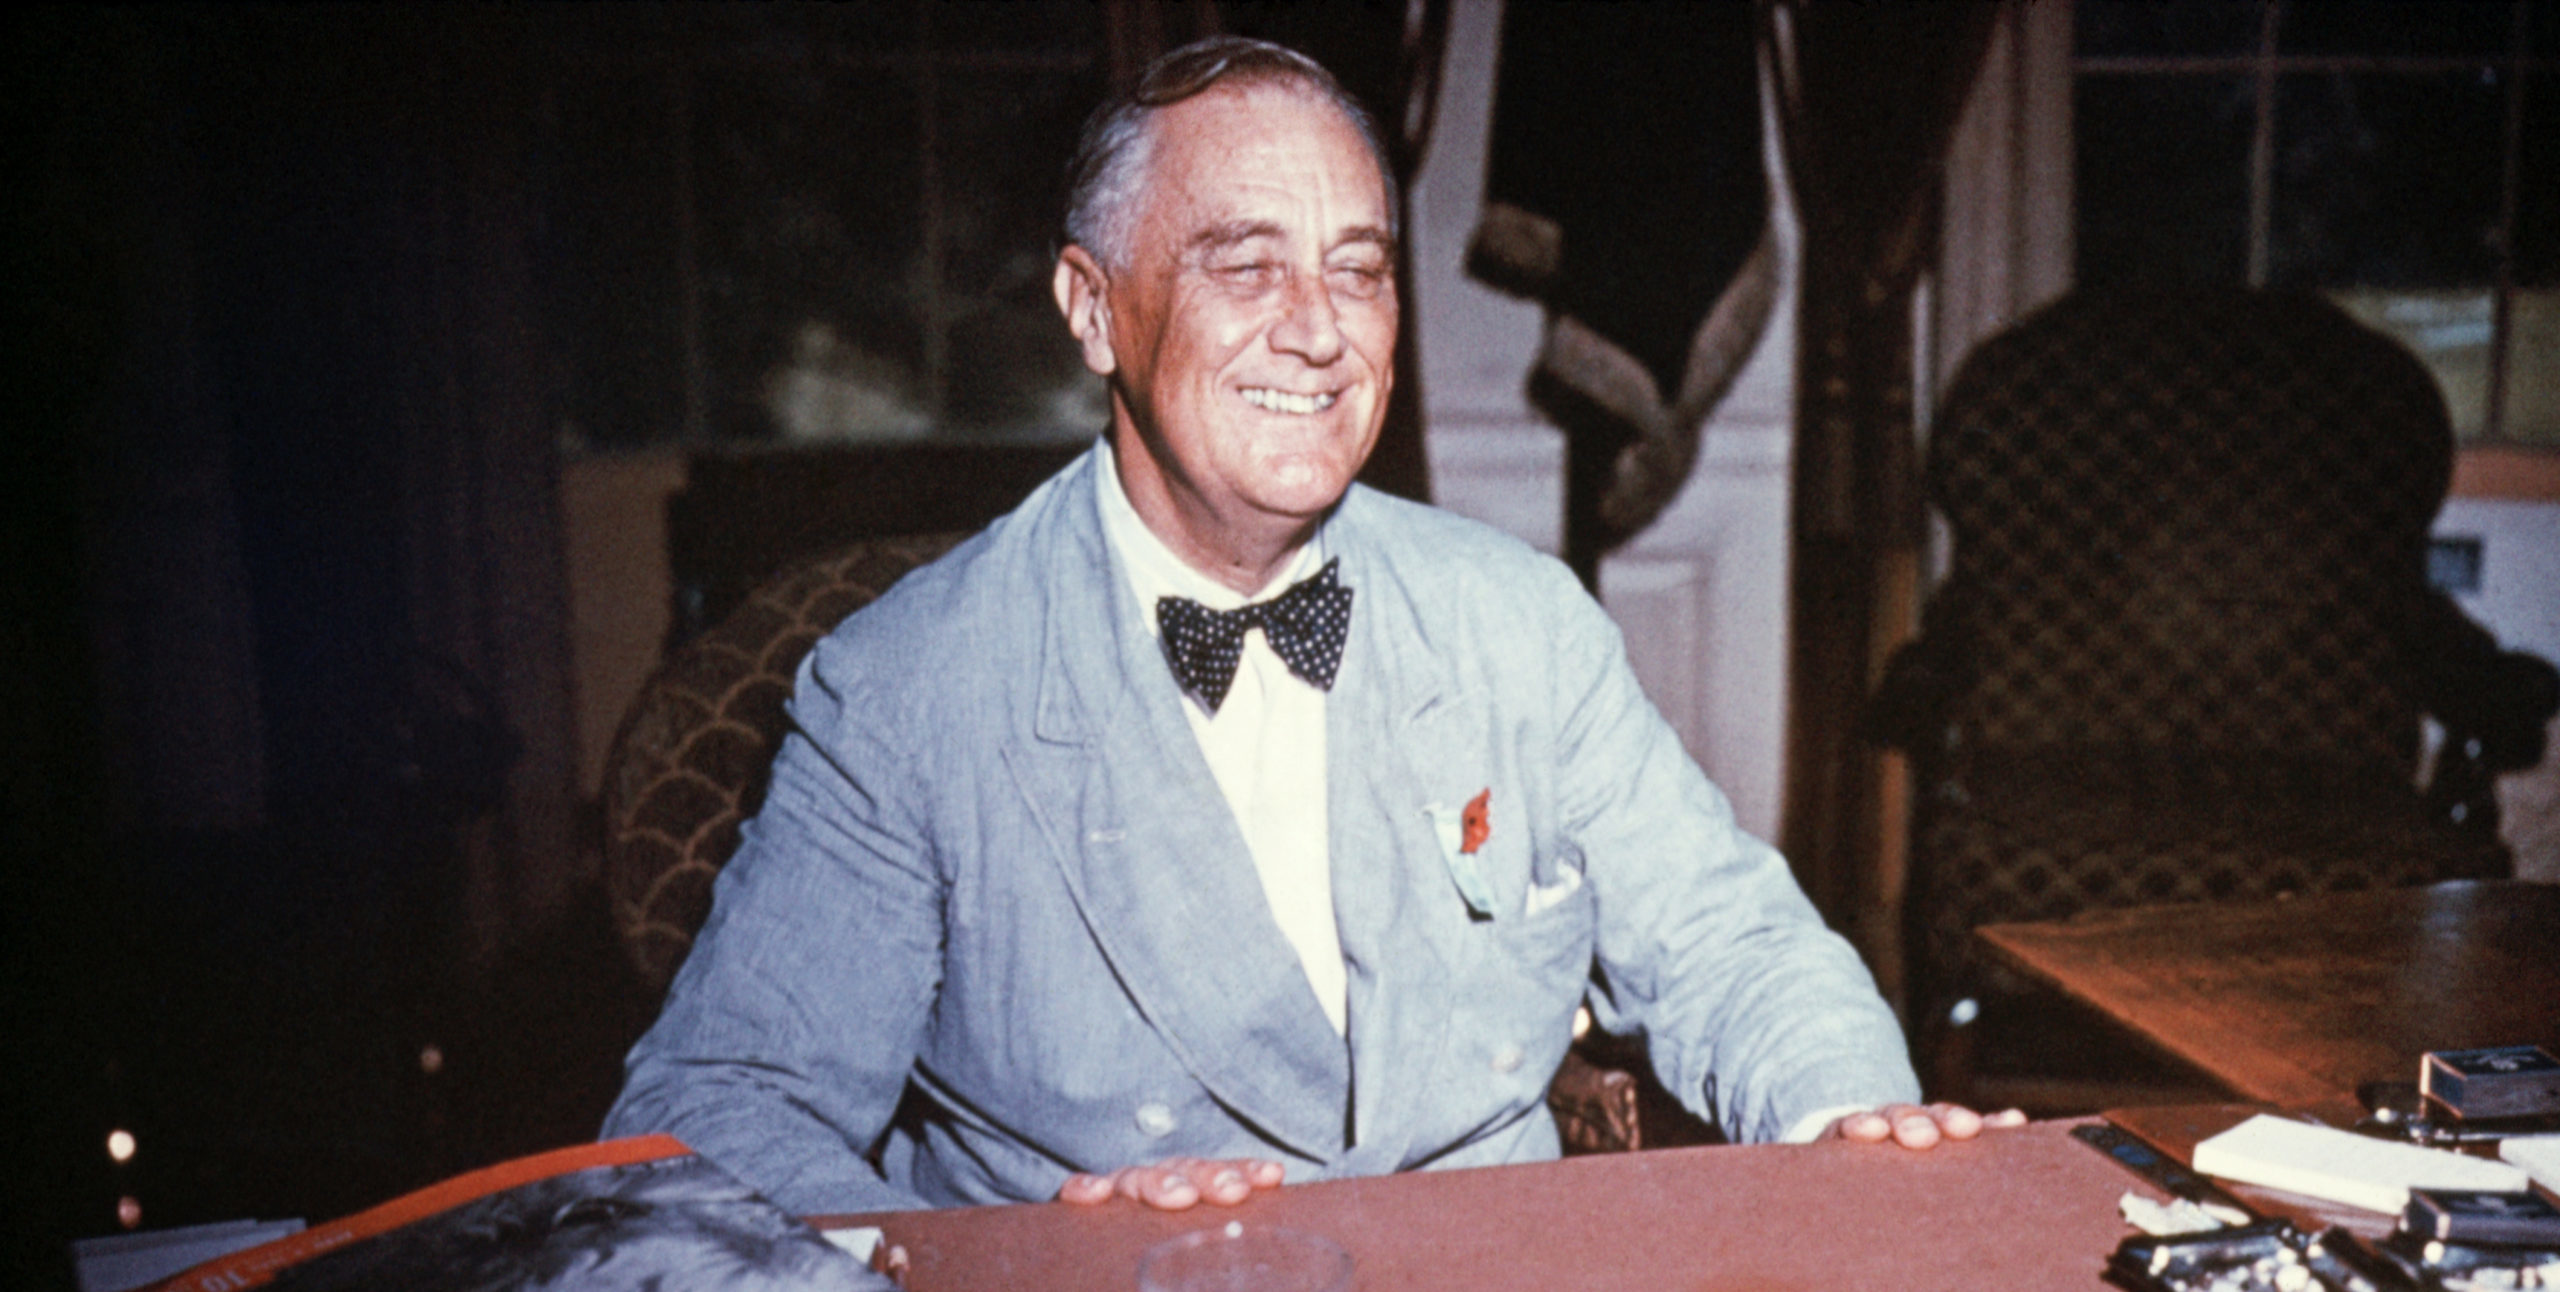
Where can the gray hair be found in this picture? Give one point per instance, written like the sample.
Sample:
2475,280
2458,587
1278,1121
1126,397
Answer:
1110,163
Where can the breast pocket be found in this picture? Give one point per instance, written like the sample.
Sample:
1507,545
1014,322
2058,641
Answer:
1542,946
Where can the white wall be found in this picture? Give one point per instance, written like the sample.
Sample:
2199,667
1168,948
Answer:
2519,600
1702,593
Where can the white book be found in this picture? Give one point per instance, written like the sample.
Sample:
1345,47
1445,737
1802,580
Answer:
2342,1166
2539,1155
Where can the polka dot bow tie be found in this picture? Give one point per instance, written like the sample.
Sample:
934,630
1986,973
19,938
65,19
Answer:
1305,626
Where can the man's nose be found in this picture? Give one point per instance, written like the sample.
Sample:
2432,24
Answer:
1310,326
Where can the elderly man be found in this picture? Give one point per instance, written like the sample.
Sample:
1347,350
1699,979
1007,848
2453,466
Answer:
1210,821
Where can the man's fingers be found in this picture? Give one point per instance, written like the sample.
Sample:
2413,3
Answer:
1166,1186
1913,1127
1176,1184
1229,1182
1086,1190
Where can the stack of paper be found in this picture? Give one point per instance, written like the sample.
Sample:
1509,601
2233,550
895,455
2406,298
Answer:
2342,1166
2539,1155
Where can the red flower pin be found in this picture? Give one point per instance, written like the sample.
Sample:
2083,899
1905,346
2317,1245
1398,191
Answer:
1476,824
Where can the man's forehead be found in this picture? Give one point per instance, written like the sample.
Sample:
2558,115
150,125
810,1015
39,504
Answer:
1201,155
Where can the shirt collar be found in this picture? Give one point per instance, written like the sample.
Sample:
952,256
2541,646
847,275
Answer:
1155,571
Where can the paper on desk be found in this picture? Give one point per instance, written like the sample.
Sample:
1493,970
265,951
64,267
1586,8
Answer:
2537,1155
2341,1166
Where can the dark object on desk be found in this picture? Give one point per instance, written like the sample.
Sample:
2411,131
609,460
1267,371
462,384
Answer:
2507,1081
2433,1263
694,757
629,1214
2397,1110
2252,1259
2462,1216
2132,1153
2187,640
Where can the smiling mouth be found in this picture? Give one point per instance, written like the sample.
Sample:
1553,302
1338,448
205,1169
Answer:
1281,401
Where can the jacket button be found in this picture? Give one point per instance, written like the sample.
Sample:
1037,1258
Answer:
1507,1059
1155,1121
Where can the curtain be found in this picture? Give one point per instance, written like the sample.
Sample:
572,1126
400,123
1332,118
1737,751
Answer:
1625,194
484,587
1867,96
324,580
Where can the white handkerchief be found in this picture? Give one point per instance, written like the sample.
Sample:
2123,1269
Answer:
1542,896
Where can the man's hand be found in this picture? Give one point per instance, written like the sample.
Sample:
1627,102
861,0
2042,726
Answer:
1176,1183
1913,1126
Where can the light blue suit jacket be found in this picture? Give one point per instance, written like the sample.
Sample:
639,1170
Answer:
994,870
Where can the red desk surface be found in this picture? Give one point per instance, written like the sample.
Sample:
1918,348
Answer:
2028,1209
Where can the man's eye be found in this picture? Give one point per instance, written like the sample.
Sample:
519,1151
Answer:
1249,273
1360,280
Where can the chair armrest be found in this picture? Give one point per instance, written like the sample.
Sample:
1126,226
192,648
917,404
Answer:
1594,1107
2496,705
1908,709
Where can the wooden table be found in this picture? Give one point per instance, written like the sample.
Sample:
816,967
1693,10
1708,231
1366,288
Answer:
2027,1209
2298,1002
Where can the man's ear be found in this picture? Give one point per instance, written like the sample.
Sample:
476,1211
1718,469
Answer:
1084,298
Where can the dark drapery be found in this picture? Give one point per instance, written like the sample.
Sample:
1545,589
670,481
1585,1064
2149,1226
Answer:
324,584
1868,94
1624,192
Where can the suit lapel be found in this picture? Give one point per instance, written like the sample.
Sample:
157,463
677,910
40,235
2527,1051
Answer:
1394,713
1154,859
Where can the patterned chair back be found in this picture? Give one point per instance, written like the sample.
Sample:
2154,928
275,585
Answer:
695,752
2176,644
2186,523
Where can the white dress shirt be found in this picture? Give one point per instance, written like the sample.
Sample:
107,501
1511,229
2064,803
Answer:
1265,743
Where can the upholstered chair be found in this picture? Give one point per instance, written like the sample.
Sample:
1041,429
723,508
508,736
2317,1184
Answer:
2186,645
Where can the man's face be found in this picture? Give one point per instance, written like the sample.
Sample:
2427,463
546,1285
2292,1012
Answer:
1250,333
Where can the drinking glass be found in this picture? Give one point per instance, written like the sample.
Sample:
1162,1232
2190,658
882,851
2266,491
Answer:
1238,1257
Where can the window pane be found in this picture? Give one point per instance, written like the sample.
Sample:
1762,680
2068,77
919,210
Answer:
2448,331
2129,28
2386,181
2538,197
807,184
609,259
2386,27
2533,368
1012,370
2163,179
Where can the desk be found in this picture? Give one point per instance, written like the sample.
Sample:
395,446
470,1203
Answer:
2298,1002
2029,1209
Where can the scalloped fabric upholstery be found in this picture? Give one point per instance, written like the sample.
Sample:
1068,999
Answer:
695,751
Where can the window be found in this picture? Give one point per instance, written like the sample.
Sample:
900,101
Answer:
2402,158
815,224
